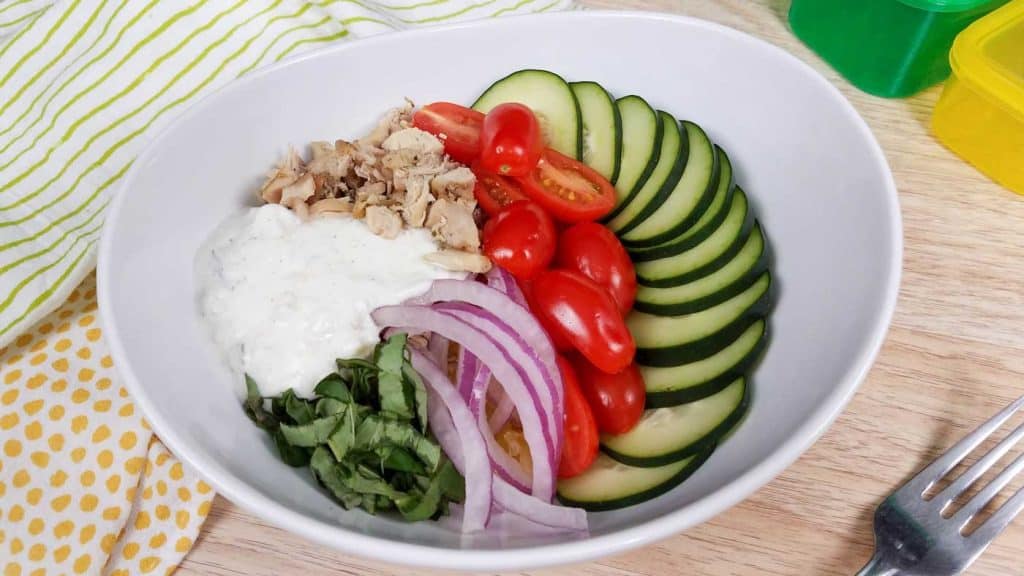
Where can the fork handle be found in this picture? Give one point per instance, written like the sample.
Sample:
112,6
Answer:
878,566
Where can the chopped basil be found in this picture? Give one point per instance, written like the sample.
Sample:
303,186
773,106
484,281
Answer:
365,435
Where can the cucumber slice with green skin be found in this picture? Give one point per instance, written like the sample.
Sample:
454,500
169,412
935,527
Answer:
708,223
671,162
602,128
641,142
550,98
674,340
610,485
686,203
715,288
704,258
674,385
666,435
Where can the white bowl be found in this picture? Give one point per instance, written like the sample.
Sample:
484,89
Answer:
815,173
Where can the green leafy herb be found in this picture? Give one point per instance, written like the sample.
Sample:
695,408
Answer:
364,436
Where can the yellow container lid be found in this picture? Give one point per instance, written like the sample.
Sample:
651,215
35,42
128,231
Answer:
989,55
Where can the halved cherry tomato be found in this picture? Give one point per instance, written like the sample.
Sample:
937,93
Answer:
521,239
617,400
495,192
562,344
594,251
456,126
510,140
569,303
579,445
571,191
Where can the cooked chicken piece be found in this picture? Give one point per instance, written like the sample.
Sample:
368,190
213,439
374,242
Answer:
330,206
414,139
395,120
321,148
374,194
383,222
292,160
298,192
455,184
453,225
301,210
272,189
327,161
459,261
417,199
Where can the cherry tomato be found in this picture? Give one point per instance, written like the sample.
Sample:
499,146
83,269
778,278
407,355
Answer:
510,140
562,344
521,239
494,192
457,126
571,191
569,303
579,445
617,400
593,250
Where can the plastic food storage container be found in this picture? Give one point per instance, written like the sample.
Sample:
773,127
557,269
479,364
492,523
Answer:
889,48
980,115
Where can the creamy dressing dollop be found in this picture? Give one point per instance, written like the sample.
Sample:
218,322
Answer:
283,298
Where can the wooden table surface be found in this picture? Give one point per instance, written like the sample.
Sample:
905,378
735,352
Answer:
954,355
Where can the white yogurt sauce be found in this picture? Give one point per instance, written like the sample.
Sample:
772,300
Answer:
284,298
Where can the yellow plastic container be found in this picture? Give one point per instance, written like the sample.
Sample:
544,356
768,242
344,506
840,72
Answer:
980,115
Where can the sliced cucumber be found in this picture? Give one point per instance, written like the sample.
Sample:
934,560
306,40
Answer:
715,288
641,142
674,385
674,340
609,485
708,223
704,258
602,128
686,202
550,98
671,161
666,435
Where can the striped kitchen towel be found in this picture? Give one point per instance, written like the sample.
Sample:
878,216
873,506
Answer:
85,84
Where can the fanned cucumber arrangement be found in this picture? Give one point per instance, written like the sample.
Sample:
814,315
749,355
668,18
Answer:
700,320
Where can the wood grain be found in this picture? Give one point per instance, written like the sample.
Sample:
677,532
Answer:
954,355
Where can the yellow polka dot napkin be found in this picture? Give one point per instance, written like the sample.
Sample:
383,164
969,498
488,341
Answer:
85,487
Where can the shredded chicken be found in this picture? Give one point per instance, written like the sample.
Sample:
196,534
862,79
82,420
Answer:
383,222
453,225
460,261
396,176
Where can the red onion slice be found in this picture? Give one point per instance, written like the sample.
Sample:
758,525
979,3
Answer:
511,499
457,432
500,279
538,436
502,413
438,348
531,366
518,317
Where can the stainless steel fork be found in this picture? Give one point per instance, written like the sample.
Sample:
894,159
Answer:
911,535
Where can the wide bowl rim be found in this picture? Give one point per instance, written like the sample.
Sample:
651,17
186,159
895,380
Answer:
343,540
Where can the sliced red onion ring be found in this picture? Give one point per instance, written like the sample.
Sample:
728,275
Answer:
539,437
465,373
500,279
438,348
518,317
457,432
511,499
502,463
502,412
531,366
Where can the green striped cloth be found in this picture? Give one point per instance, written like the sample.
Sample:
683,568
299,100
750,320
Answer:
84,85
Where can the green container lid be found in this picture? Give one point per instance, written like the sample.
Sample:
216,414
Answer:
947,5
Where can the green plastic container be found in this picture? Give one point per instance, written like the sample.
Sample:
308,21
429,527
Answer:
890,48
